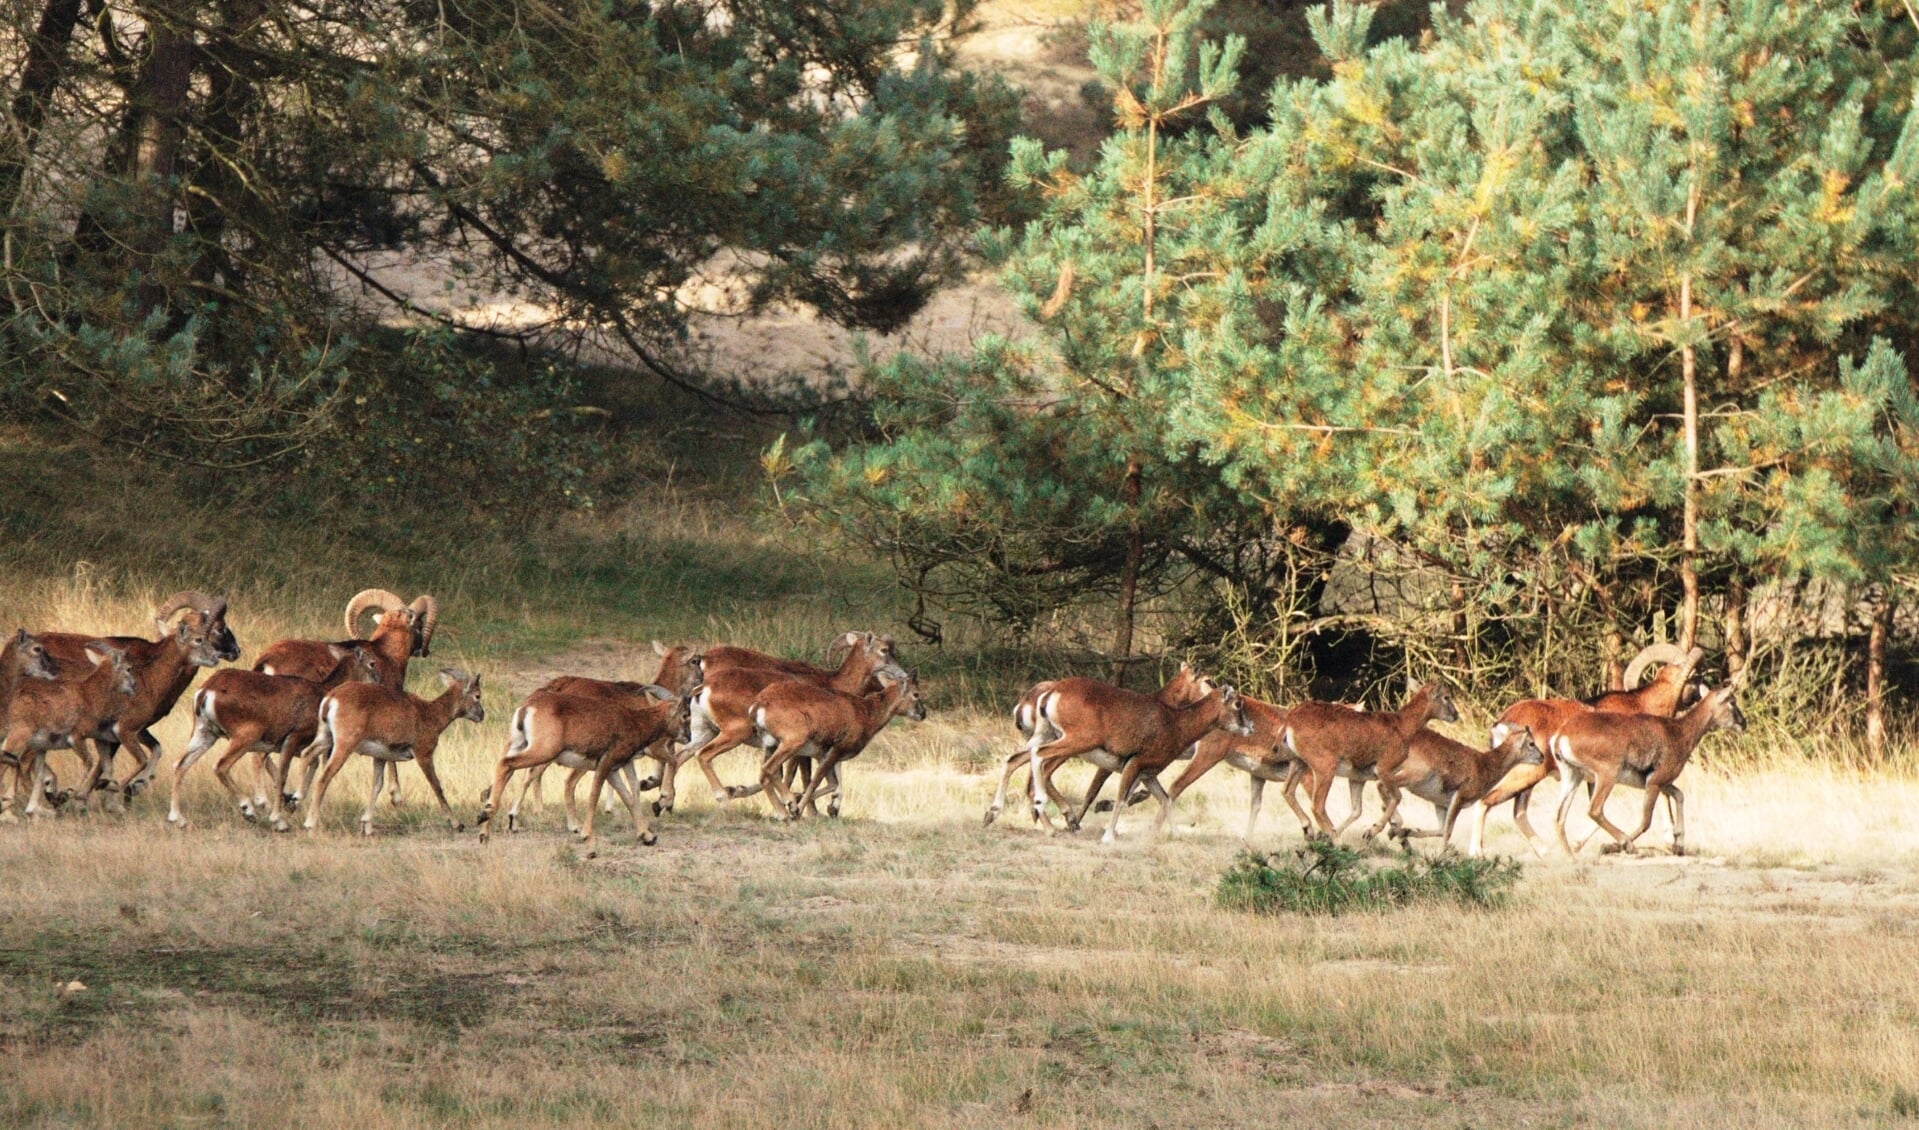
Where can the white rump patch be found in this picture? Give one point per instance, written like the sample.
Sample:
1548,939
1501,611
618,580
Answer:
1562,749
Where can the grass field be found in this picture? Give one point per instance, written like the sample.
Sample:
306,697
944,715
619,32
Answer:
904,966
900,966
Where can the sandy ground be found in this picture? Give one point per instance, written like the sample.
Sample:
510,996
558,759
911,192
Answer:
1037,46
904,965
767,347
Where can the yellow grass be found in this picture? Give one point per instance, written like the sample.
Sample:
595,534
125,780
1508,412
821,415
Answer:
900,966
906,966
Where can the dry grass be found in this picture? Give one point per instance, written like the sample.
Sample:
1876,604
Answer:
902,966
905,966
88,544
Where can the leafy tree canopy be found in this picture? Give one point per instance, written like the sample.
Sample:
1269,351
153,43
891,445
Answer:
1563,300
195,192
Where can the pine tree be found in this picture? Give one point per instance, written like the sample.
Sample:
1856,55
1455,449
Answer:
1573,304
1600,245
1034,471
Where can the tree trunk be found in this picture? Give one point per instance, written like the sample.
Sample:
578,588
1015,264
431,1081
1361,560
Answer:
142,157
1135,534
221,191
1129,576
1738,645
1876,678
160,113
1612,672
1689,559
1462,659
47,59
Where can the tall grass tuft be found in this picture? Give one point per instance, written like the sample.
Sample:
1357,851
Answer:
1325,879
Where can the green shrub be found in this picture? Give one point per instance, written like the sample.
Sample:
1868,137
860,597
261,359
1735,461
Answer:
1324,878
436,419
1905,1103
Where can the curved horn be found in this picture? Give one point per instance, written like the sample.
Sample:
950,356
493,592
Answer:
1657,653
365,599
427,611
188,598
842,645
